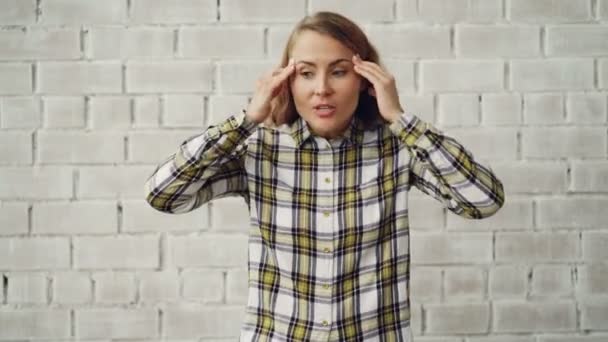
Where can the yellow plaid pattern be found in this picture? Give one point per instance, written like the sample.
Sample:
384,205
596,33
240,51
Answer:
329,234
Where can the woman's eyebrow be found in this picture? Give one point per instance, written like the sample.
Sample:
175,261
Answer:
330,64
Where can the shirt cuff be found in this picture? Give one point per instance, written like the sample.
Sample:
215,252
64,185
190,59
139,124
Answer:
238,122
408,128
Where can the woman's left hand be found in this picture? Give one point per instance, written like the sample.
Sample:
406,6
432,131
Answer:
384,88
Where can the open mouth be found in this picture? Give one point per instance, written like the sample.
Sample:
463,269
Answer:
324,110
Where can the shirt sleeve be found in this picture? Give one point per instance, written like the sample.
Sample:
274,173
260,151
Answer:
206,166
443,168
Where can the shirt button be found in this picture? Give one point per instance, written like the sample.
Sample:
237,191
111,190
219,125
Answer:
326,250
325,323
326,214
327,180
326,286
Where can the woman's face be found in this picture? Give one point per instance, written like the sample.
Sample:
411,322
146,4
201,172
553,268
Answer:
325,88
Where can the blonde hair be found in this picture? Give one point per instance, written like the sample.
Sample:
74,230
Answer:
350,35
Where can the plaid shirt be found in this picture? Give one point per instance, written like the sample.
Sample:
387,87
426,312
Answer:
329,234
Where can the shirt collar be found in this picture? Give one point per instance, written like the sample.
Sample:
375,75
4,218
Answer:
300,131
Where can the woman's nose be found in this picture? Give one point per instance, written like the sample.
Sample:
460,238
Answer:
322,86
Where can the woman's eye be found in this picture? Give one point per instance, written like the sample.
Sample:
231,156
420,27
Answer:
339,72
306,74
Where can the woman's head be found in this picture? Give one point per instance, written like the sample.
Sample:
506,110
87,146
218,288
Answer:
325,90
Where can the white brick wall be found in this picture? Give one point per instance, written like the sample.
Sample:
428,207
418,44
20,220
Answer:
94,94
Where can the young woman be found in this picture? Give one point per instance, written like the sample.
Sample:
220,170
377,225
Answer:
325,157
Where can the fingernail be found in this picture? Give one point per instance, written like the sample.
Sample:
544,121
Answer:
290,61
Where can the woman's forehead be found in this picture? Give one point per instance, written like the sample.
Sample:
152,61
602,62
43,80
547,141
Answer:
310,44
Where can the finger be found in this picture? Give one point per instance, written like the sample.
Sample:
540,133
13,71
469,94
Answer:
368,74
375,69
284,73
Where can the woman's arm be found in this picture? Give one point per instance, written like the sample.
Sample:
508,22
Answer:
444,169
206,166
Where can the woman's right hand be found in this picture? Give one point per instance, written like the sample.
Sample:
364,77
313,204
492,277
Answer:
267,88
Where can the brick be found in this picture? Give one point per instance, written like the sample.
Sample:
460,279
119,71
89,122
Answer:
465,283
585,108
116,252
415,41
563,142
536,247
416,319
206,286
458,110
472,248
209,250
124,43
20,112
501,109
544,109
223,106
508,281
503,339
79,77
13,218
406,10
16,148
603,73
40,44
237,286
461,76
173,12
359,10
34,254
442,11
594,315
139,216
262,11
34,324
114,288
64,112
425,284
224,218
470,318
577,40
116,323
403,72
80,147
551,74
27,288
195,321
110,113
603,9
240,77
422,106
534,317
65,12
17,12
74,218
210,42
124,181
579,213
183,111
487,142
549,11
159,286
36,183
425,213
497,41
72,288
552,280
170,77
570,338
516,214
595,246
154,147
277,36
592,279
15,79
146,112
